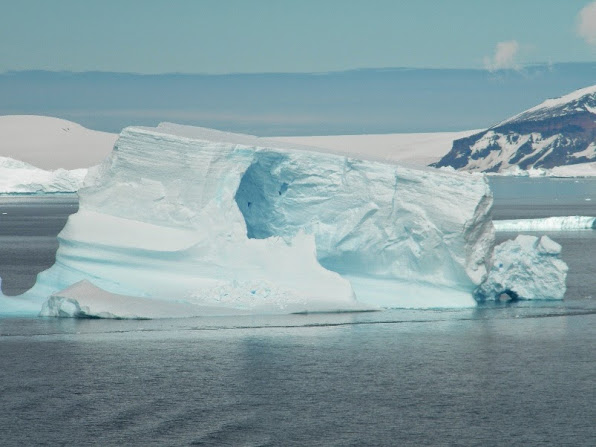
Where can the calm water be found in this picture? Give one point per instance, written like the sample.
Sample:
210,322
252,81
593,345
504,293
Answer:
517,374
28,229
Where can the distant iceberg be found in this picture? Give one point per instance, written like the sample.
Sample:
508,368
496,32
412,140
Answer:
586,169
558,223
219,223
18,177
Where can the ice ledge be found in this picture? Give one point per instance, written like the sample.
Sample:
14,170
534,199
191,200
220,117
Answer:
85,300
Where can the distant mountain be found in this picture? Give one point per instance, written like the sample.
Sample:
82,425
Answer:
558,132
367,101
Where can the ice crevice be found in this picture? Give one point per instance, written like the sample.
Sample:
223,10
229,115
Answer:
219,223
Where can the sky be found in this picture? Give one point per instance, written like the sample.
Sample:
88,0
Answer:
255,36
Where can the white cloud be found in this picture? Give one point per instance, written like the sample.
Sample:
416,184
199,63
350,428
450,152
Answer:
586,23
504,57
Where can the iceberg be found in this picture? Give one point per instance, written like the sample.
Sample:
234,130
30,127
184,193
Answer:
18,177
206,219
558,223
526,268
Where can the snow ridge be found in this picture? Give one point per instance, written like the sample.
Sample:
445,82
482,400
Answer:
579,100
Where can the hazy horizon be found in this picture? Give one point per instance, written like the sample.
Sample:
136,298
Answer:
521,70
382,100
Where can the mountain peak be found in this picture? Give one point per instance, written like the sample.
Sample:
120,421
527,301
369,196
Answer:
578,101
560,131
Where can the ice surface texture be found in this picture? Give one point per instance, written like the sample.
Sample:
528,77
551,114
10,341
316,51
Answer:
526,268
206,218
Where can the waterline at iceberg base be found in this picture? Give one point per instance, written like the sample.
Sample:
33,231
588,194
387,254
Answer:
185,221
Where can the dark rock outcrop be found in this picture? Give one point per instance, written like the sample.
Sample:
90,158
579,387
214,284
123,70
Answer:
558,132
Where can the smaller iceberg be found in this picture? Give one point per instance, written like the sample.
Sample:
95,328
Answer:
18,177
562,223
526,268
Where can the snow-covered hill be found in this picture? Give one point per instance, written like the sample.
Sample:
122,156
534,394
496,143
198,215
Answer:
52,143
558,132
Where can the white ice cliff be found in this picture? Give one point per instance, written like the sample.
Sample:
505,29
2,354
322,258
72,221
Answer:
557,223
527,268
213,220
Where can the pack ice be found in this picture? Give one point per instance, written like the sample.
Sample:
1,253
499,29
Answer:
190,221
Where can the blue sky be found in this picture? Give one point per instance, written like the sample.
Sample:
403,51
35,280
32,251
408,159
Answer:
231,36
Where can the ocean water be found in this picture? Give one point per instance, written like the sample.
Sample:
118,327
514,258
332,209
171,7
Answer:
28,229
497,375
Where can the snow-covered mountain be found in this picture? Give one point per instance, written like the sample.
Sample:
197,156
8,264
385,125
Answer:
558,132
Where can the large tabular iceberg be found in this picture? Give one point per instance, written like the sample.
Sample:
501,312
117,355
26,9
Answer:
210,219
556,223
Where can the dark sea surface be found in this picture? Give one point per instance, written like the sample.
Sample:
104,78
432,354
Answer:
28,229
497,375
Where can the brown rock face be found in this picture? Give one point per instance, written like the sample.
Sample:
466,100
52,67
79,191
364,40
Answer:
556,133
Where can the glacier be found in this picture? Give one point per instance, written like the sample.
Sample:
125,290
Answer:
556,223
528,268
187,221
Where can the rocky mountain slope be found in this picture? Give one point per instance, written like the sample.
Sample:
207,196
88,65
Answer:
558,132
